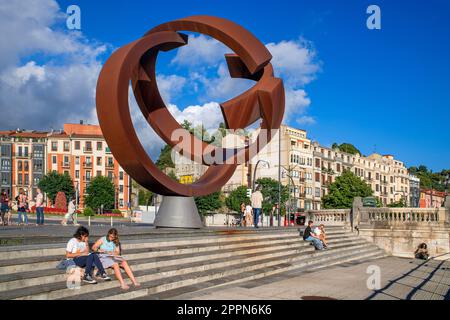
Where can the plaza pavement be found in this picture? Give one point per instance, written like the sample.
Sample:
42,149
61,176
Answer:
401,279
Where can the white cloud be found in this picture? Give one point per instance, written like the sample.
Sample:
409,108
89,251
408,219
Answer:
61,86
294,61
169,86
306,120
201,50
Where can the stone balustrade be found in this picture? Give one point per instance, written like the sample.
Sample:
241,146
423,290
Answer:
330,217
405,215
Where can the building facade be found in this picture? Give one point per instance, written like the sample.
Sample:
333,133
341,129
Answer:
308,168
79,151
431,198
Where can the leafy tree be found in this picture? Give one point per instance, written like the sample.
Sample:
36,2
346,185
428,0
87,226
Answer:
344,190
165,158
173,176
53,182
145,197
269,189
209,203
346,147
430,179
236,198
100,192
398,204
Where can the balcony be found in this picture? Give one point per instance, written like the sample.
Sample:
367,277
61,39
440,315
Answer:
110,165
87,150
87,164
23,155
65,164
108,150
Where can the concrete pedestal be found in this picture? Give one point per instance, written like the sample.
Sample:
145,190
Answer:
178,212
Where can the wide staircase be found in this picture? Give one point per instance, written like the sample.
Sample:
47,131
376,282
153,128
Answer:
177,264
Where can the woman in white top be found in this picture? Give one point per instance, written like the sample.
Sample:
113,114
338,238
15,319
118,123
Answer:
70,212
78,250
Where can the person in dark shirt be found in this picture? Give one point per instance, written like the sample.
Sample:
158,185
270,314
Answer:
311,237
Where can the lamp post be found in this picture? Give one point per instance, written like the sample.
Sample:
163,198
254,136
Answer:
254,172
447,182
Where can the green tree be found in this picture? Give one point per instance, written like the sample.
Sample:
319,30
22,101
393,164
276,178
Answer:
236,198
165,158
145,197
398,204
209,203
344,190
53,182
100,192
269,189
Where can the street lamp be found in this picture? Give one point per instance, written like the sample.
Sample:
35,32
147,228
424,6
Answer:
254,171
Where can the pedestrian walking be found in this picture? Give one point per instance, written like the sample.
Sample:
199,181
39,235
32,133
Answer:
22,205
70,213
4,207
257,199
39,208
248,215
242,223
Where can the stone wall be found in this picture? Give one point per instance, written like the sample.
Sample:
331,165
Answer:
400,230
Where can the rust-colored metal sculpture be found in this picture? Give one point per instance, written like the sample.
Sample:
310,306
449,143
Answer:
136,62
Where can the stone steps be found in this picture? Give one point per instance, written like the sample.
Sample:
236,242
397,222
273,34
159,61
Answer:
164,267
43,277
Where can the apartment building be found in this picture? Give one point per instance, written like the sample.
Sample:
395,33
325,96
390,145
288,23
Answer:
308,168
78,150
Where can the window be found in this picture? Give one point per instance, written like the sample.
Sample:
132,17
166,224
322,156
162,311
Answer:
66,146
38,165
19,166
54,159
99,146
377,188
6,179
77,174
6,165
317,163
317,192
99,173
38,151
121,188
338,167
26,152
5,150
99,161
20,180
88,176
110,162
26,166
19,151
88,146
77,161
121,176
317,177
66,160
54,146
110,175
88,160
77,145
121,202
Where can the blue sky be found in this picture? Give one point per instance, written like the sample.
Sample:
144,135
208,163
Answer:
385,90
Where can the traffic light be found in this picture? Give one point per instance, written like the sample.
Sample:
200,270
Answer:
249,193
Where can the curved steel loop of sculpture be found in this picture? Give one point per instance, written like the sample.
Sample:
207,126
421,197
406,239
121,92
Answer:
136,62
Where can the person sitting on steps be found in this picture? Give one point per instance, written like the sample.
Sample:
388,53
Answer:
422,252
309,236
110,251
78,250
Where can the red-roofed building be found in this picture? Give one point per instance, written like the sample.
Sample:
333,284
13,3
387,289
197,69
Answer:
79,150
